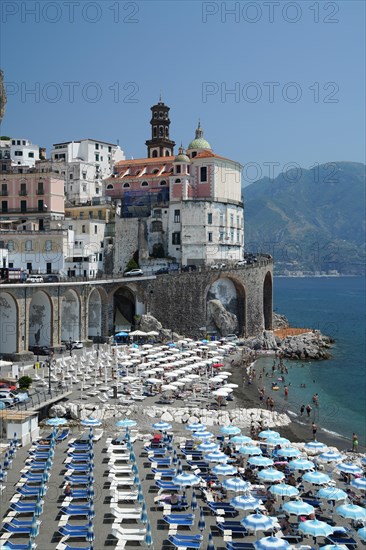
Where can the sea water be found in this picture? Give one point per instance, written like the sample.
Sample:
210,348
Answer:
336,307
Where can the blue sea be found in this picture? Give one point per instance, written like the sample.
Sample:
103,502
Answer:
336,307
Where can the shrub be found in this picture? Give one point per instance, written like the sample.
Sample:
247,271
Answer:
25,382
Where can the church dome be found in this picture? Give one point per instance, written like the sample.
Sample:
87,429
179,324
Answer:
182,157
199,141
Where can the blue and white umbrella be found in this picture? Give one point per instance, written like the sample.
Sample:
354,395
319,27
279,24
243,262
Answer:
271,474
186,480
162,426
241,439
90,492
288,452
316,478
91,511
208,447
38,508
56,421
316,528
363,460
301,464
236,484
277,441
134,468
42,489
136,480
140,495
148,536
224,470
195,426
7,461
260,461
265,434
194,501
132,456
91,422
230,430
331,456
257,522
126,423
143,517
332,493
298,508
362,533
90,532
175,457
359,483
210,543
34,530
352,511
245,502
272,543
216,456
250,450
349,468
202,435
284,490
201,521
316,446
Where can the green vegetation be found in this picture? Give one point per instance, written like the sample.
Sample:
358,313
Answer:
25,382
132,264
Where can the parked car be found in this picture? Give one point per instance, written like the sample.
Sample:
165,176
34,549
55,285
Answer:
241,262
162,271
7,386
133,273
40,350
218,266
77,345
51,278
190,267
230,338
34,279
7,399
20,396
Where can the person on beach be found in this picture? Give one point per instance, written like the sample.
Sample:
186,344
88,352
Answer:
67,490
267,402
286,392
354,443
316,399
308,410
271,404
302,409
314,430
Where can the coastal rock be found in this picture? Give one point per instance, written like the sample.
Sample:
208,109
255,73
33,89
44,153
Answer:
226,322
279,321
149,322
72,411
167,417
309,345
57,410
265,341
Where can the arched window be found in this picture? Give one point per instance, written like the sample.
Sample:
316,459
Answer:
167,153
126,185
144,184
178,180
110,186
155,171
156,226
154,153
163,182
137,172
155,131
161,131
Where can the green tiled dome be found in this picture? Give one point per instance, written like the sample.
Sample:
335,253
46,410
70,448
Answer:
199,143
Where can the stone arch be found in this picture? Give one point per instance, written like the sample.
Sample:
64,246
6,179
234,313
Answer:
70,316
8,323
95,307
230,292
124,308
267,301
40,320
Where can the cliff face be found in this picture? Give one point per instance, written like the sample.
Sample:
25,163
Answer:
3,98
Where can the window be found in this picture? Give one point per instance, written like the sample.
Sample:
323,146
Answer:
18,153
203,174
109,149
156,226
125,185
96,158
40,205
81,215
70,227
176,216
84,175
97,145
101,159
48,246
100,215
221,219
91,215
40,188
232,235
210,237
178,169
238,236
144,184
83,229
221,236
28,246
23,206
237,221
209,218
95,229
29,267
157,213
10,246
154,153
194,154
176,238
71,176
231,220
31,155
18,141
178,180
110,186
23,189
155,171
4,189
13,141
100,257
4,206
163,182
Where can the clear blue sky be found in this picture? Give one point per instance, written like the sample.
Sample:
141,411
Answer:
195,53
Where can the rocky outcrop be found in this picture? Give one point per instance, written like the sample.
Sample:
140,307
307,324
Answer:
279,321
310,345
149,322
265,341
226,322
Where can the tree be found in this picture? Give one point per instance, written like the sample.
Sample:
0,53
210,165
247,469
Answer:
25,382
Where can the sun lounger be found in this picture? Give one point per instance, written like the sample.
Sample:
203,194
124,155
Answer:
63,546
75,510
31,477
160,461
78,447
15,546
222,509
78,479
79,493
120,496
74,531
126,531
185,541
160,472
27,490
63,435
77,468
23,507
239,546
126,469
179,519
234,526
166,486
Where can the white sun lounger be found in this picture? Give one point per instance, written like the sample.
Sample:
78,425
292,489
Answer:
121,496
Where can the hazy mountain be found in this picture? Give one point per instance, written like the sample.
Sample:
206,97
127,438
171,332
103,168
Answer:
309,220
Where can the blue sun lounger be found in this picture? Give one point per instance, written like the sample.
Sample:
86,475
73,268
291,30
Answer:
31,477
217,507
73,530
160,461
23,507
79,467
78,479
14,546
27,490
167,472
79,493
167,485
78,447
193,454
179,519
186,541
239,546
234,526
74,510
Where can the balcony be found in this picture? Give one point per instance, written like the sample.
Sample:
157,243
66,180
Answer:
40,191
23,193
4,193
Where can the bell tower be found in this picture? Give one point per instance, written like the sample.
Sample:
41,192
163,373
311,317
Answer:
160,145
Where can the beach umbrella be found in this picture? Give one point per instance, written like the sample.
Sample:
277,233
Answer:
363,460
140,495
270,475
288,452
38,508
90,492
194,501
316,478
34,530
179,469
284,490
332,493
134,468
236,484
272,543
315,446
216,456
195,426
143,517
201,521
126,423
359,483
210,543
277,441
132,456
56,421
42,489
148,536
48,464
301,464
208,446
257,522
162,426
224,470
7,462
349,468
136,480
265,434
90,532
186,480
245,502
229,430
91,422
330,456
202,434
260,461
175,457
316,528
298,508
352,511
91,511
241,439
362,533
250,450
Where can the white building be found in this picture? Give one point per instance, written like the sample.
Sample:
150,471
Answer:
85,254
83,165
20,151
